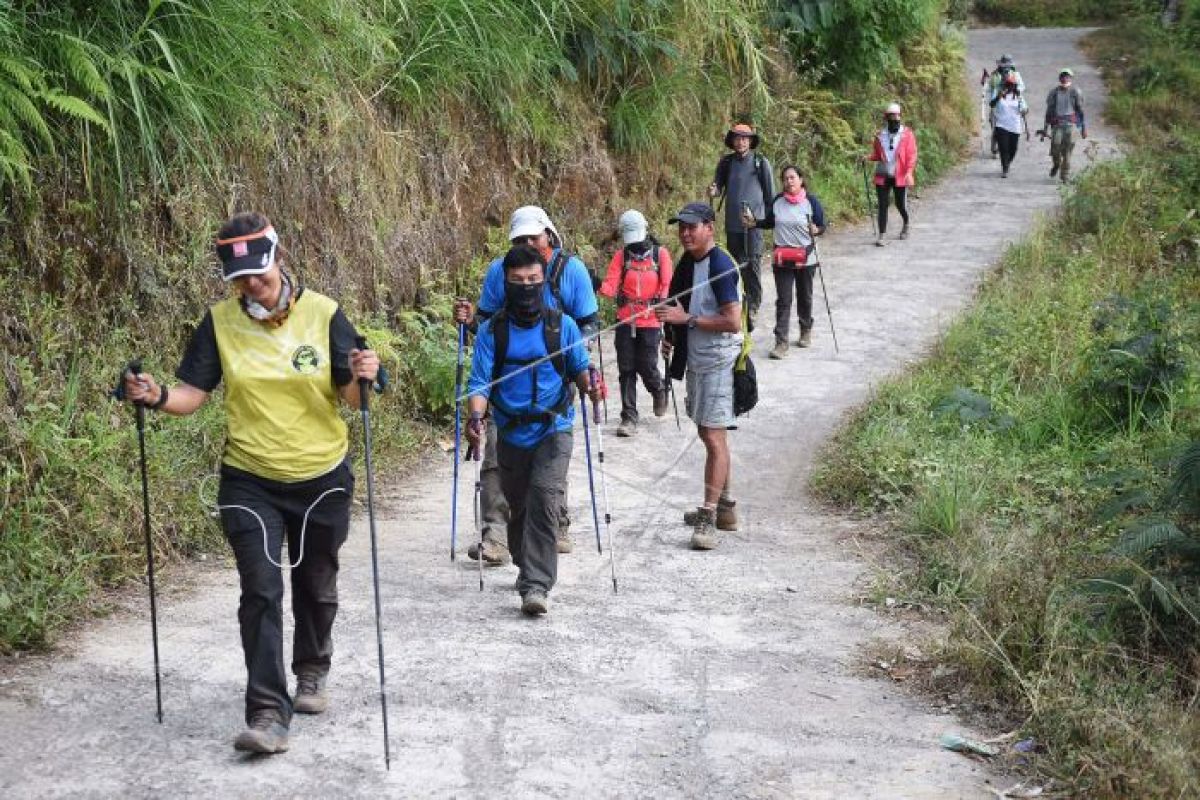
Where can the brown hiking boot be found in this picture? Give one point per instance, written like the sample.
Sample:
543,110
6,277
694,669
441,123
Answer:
264,734
311,697
805,339
494,552
726,516
780,351
563,542
660,402
534,603
704,533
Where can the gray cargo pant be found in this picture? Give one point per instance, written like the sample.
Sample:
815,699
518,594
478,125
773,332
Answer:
535,483
1062,142
494,509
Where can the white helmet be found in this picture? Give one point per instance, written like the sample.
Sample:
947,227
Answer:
893,108
531,221
633,227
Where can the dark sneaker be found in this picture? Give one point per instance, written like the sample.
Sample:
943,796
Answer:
704,533
563,542
779,352
726,516
805,339
1054,170
534,603
264,734
660,403
311,697
904,231
494,552
1004,172
627,429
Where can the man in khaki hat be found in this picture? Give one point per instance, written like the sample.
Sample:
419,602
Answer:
744,180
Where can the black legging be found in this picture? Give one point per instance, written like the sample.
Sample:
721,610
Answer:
1007,140
881,194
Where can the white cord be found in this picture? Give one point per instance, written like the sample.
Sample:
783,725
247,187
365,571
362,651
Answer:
303,526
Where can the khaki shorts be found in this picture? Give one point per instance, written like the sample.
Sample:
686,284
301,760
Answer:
709,400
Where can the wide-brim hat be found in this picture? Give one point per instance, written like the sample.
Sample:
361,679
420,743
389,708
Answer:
741,129
251,254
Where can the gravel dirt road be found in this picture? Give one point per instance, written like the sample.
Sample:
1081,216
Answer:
733,673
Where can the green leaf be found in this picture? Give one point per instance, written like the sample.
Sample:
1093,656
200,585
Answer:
74,107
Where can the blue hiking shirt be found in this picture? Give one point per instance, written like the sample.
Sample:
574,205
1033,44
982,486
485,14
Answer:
578,298
515,395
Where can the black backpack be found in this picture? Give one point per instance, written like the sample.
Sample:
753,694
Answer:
764,180
552,334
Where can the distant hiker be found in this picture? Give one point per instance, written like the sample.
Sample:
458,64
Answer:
1009,109
1005,69
743,178
533,411
1064,113
568,287
894,152
286,355
797,217
703,341
638,276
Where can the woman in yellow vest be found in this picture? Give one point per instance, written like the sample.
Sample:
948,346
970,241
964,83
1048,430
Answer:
286,354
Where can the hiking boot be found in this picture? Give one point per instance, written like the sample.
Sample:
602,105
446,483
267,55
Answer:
1004,172
627,429
534,603
904,231
661,401
264,734
879,242
563,542
704,533
780,351
805,339
1063,176
494,552
1054,170
726,516
311,697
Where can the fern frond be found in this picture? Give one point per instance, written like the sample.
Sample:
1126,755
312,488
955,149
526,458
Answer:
74,107
1147,535
80,58
22,74
24,109
1186,485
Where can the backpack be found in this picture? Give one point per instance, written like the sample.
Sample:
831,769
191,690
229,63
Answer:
745,381
654,257
759,169
558,265
552,334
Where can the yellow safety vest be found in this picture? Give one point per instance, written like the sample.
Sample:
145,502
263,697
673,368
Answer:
282,419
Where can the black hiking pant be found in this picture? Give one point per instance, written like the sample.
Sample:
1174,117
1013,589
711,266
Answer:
282,507
637,356
881,196
787,278
1008,142
535,482
747,253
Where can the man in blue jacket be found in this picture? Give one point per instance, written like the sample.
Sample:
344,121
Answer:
568,287
526,358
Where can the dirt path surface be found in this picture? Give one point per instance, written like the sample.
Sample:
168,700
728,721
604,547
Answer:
735,673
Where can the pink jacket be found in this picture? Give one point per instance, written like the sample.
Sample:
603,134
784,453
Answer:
906,158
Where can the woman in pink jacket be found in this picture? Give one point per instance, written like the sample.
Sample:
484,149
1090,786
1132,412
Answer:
637,278
895,156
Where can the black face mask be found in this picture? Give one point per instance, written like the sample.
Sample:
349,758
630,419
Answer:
524,301
893,126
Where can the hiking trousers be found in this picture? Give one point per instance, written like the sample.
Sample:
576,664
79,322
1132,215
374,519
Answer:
637,356
882,195
535,482
282,508
1008,142
494,511
1062,142
747,252
800,280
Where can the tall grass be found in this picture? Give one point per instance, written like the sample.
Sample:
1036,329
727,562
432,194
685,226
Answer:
1037,465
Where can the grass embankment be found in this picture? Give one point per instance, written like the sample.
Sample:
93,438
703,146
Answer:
1042,466
1055,13
389,142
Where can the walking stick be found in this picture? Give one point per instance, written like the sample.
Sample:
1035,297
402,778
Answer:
871,211
458,379
825,294
612,564
600,350
364,389
135,368
671,389
587,448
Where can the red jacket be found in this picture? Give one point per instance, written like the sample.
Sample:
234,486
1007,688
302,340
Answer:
642,286
906,158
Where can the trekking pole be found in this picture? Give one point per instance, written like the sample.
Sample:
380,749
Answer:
135,368
825,294
478,522
600,350
671,389
871,212
587,449
612,564
458,379
364,389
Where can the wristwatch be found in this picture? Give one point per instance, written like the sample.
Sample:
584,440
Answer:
691,322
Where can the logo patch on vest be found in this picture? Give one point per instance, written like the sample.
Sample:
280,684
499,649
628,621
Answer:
306,360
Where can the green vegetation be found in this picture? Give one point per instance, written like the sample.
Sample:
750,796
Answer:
388,141
1042,465
1042,13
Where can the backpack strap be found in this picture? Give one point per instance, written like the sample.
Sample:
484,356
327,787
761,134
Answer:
554,273
654,259
759,161
552,336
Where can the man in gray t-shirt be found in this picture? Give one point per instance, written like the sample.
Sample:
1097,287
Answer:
744,178
1064,113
